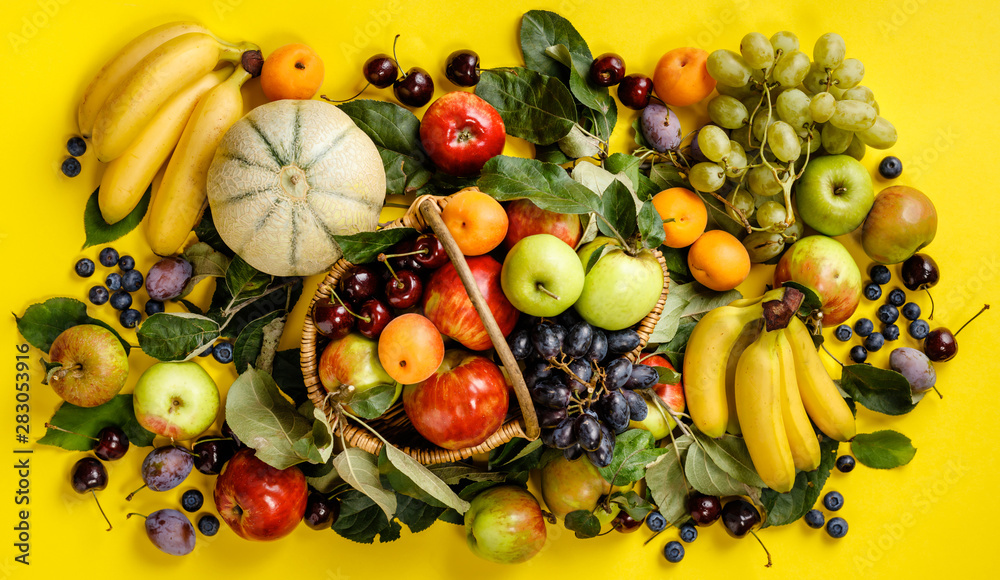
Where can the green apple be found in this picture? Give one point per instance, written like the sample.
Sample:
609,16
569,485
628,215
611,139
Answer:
834,194
88,365
505,525
353,360
620,290
902,221
178,400
541,275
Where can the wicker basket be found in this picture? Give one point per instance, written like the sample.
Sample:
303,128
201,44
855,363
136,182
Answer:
425,215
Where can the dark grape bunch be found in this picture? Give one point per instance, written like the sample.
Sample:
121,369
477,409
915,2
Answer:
581,383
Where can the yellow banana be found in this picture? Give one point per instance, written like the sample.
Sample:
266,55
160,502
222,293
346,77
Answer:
801,437
822,400
181,198
171,67
126,178
758,402
746,337
118,68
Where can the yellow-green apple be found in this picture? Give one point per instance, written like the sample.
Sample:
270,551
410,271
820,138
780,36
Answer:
524,219
88,365
505,525
658,421
825,266
834,194
620,289
353,360
258,501
178,400
902,221
461,132
447,304
541,276
461,404
568,486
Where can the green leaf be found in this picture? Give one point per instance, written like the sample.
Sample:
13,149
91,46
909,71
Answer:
785,508
176,336
676,259
731,455
584,523
396,134
424,478
703,299
549,187
634,450
361,520
624,163
534,107
373,402
101,232
707,476
360,470
287,374
206,232
598,106
596,255
603,116
541,29
551,154
667,376
666,483
244,281
670,318
810,303
646,189
417,515
247,347
880,390
206,262
455,473
364,247
577,144
43,322
393,479
632,504
666,175
88,421
516,455
650,226
674,350
883,449
264,420
637,134
618,209
279,294
452,517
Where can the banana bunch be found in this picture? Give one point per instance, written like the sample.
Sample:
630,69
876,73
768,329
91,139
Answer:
766,385
163,101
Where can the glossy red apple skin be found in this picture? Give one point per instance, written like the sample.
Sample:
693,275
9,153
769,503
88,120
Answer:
258,501
524,219
461,404
447,304
461,132
824,265
671,395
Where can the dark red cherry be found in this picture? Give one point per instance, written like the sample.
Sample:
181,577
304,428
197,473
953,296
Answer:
360,285
634,91
405,290
920,271
89,474
433,254
227,431
704,509
112,443
332,318
321,511
373,316
211,453
463,68
740,517
415,88
607,70
940,345
625,523
381,70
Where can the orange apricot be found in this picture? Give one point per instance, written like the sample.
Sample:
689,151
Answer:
681,77
293,71
719,260
686,213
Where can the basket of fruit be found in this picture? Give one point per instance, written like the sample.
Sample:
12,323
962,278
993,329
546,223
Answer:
455,403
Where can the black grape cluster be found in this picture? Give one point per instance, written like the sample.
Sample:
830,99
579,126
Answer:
581,383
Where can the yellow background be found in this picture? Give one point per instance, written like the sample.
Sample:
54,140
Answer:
933,67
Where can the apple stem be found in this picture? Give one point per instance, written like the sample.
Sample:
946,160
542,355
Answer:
928,291
57,428
545,290
131,495
349,311
768,565
984,309
101,509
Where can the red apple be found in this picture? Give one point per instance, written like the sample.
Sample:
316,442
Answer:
461,132
825,266
505,525
258,501
461,404
447,304
524,219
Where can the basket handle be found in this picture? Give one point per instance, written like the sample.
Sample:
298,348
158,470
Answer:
432,215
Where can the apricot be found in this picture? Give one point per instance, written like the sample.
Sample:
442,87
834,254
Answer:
719,260
293,71
681,77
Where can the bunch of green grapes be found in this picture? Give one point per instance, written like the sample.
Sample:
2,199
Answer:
776,109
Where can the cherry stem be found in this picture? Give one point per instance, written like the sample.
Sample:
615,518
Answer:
349,311
329,100
394,52
384,258
57,428
131,495
928,291
984,309
768,565
102,509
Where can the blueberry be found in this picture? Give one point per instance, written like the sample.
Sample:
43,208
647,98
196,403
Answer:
108,257
689,533
887,314
918,329
192,500
208,525
130,318
910,311
84,268
223,352
890,167
897,297
843,333
208,351
872,291
890,332
656,522
121,300
874,341
674,552
126,263
76,146
815,519
845,463
98,295
833,501
836,527
71,167
880,274
113,281
153,307
863,327
859,354
132,280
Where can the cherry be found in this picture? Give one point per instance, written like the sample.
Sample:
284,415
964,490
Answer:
361,284
373,316
112,442
227,431
635,90
332,319
739,517
403,257
90,475
405,290
704,509
941,345
607,70
625,523
381,71
920,272
212,453
432,254
463,68
321,511
415,88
